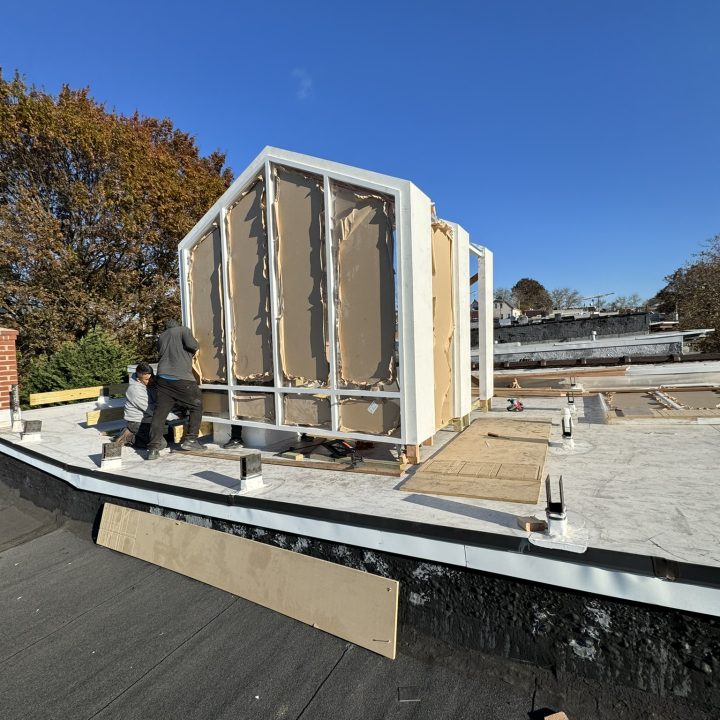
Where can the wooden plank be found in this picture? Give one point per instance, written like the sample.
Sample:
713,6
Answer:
95,417
362,469
59,396
351,604
540,392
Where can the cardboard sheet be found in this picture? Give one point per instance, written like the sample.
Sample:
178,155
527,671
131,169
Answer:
365,415
364,251
443,321
206,307
354,605
308,410
506,465
249,280
298,209
255,406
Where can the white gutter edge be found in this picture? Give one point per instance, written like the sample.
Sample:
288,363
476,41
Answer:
584,578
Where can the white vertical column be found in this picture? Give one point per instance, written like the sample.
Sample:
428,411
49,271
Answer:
227,309
486,360
330,290
274,299
184,259
414,238
462,393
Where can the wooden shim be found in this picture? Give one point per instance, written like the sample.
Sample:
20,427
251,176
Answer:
351,604
95,417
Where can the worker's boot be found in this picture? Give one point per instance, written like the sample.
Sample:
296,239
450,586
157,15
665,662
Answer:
124,438
153,455
233,444
192,445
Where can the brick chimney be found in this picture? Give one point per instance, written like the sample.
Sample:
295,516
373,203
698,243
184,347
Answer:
8,372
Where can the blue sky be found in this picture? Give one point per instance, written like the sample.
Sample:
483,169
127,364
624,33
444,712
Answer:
578,140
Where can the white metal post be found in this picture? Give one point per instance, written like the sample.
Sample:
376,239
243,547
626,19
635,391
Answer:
485,322
274,300
330,291
227,310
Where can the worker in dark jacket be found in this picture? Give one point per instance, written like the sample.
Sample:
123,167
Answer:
176,385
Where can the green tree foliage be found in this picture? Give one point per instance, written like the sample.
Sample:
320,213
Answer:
564,297
92,207
694,291
96,359
529,294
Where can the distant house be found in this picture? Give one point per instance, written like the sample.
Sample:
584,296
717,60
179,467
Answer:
505,311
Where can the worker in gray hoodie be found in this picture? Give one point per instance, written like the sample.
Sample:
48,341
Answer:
176,385
140,401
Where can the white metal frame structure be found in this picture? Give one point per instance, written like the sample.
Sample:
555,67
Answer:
413,293
486,347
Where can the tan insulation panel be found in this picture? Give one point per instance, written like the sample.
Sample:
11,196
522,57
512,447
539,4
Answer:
298,208
443,322
215,402
255,406
206,307
308,410
363,234
351,604
249,279
365,415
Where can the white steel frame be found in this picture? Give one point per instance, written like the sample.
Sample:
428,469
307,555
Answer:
413,286
461,384
486,347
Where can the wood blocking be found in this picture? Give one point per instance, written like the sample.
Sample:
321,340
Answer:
354,605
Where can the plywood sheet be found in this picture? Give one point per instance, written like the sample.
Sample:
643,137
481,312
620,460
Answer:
443,322
249,280
308,410
351,604
206,307
255,406
365,415
507,465
299,208
363,235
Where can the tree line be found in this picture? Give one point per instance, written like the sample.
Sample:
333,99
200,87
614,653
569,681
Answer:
93,204
530,294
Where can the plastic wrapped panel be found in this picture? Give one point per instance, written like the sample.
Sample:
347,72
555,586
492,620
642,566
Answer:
255,406
307,410
299,207
206,307
366,323
379,416
249,280
443,323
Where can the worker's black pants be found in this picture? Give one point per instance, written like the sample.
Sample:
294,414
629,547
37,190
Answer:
184,393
